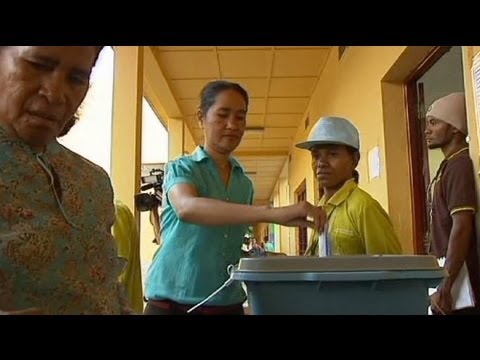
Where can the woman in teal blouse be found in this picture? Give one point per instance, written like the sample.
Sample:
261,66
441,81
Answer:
208,208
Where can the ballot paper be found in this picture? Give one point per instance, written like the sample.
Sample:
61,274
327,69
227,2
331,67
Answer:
462,293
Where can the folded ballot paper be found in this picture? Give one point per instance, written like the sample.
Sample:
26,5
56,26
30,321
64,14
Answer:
462,293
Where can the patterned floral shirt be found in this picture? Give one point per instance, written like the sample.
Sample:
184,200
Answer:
56,248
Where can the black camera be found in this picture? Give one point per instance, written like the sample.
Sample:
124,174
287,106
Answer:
151,200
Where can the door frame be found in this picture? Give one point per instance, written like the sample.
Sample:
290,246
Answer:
418,147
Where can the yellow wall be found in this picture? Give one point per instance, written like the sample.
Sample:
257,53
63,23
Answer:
280,197
285,243
260,231
127,123
473,112
190,144
180,138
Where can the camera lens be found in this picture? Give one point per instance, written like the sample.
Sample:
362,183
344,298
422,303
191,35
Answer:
145,202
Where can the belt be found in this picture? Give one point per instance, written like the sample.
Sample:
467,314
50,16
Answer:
170,305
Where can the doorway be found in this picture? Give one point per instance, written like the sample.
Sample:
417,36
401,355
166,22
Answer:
440,74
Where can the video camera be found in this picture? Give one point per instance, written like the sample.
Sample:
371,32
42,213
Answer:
149,201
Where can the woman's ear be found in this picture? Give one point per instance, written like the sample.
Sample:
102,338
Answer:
200,117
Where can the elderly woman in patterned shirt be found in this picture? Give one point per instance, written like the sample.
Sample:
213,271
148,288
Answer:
57,254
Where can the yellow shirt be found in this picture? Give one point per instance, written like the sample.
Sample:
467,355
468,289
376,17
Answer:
357,224
126,233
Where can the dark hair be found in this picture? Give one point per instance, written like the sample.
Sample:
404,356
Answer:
73,120
99,50
209,93
356,176
352,151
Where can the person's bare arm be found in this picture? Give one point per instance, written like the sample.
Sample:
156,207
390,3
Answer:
205,211
458,245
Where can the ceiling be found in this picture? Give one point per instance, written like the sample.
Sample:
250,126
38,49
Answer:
279,81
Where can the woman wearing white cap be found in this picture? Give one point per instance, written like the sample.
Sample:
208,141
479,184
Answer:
357,224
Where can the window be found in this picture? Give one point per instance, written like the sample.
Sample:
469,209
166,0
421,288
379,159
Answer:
154,136
154,156
91,137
